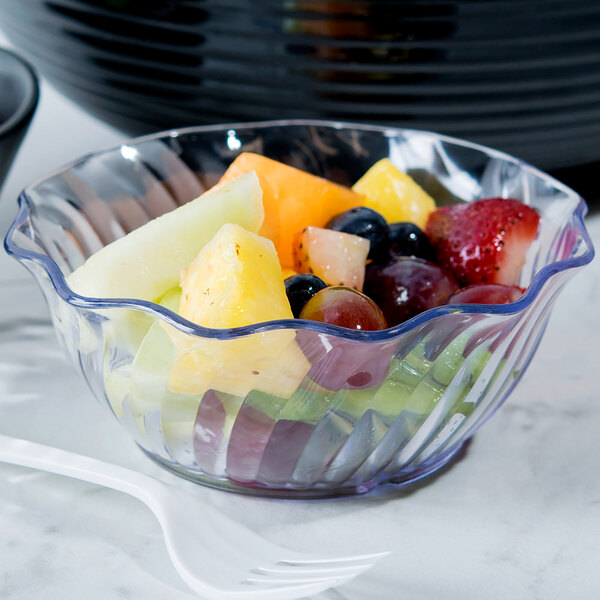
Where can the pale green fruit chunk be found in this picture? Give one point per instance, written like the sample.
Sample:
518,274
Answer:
171,299
116,386
148,261
156,355
145,379
154,361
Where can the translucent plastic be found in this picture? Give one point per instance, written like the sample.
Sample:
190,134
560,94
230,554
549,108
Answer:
292,408
216,556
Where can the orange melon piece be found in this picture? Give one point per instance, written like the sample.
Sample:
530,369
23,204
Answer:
293,199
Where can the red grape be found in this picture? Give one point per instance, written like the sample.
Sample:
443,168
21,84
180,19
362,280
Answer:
346,307
249,437
208,431
405,287
285,445
486,293
337,363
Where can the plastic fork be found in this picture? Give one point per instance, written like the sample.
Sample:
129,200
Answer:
216,556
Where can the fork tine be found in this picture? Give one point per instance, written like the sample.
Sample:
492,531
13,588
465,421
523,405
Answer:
215,568
310,569
289,578
285,582
297,576
332,562
277,570
325,571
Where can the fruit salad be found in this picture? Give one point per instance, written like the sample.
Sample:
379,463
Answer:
272,242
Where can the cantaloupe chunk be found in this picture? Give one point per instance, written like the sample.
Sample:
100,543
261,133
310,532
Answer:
293,199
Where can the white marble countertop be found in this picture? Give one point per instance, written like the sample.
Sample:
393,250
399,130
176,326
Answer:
518,517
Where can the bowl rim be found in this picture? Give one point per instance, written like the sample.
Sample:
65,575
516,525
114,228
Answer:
63,290
24,111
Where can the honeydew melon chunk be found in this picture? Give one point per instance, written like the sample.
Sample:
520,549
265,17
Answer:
148,261
154,360
268,404
140,406
308,403
433,385
156,354
473,369
145,378
458,408
171,299
391,397
354,403
116,387
414,382
177,418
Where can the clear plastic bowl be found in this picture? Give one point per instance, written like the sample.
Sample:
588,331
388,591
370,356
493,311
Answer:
292,408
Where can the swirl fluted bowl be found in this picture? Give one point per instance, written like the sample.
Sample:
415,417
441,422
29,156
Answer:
371,408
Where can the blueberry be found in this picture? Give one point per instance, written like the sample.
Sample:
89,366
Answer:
407,239
300,289
364,222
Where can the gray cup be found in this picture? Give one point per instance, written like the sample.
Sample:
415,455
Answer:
19,93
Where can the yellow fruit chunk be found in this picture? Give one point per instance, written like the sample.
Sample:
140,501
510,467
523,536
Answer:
236,280
270,362
292,199
394,194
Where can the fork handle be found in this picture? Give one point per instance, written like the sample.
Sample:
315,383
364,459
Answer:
45,458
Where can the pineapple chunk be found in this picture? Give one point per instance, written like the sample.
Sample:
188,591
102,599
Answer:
236,280
394,194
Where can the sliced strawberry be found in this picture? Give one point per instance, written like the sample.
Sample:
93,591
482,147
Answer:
337,258
484,241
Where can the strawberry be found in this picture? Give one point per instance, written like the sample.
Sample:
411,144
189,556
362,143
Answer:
484,241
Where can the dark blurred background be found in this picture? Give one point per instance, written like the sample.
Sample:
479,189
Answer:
521,76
